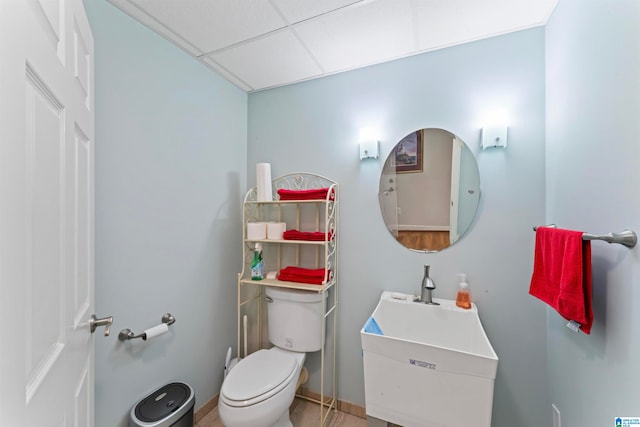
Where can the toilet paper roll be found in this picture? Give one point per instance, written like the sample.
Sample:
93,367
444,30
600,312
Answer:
155,331
275,230
256,230
263,178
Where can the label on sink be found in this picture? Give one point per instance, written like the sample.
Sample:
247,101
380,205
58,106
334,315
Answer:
422,364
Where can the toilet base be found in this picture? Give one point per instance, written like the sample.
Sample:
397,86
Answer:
283,421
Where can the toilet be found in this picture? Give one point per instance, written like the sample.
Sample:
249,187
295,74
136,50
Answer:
258,391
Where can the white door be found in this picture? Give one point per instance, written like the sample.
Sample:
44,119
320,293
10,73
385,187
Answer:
388,195
456,155
46,214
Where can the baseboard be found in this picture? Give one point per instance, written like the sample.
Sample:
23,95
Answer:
206,408
342,405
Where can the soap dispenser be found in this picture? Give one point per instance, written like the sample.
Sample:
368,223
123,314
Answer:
463,299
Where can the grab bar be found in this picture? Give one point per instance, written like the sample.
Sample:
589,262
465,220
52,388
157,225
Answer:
626,237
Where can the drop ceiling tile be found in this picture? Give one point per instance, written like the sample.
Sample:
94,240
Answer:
365,34
127,7
442,24
276,59
242,36
300,10
212,25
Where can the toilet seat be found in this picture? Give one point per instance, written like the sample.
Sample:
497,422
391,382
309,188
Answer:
258,377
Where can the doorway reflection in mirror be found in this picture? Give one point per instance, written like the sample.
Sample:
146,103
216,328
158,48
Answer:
434,206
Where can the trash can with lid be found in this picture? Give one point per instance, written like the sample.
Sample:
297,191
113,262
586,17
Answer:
169,406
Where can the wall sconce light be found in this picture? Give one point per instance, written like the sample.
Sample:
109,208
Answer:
494,136
369,150
494,129
369,146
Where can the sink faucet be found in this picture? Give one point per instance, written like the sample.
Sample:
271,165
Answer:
427,288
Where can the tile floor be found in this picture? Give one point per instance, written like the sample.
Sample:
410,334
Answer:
303,414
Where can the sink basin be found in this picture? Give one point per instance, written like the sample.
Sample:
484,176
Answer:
427,365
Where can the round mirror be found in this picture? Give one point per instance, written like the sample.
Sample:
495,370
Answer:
429,190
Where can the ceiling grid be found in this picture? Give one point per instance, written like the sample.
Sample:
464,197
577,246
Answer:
260,44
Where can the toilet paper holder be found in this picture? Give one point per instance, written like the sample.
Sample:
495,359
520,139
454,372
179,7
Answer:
127,334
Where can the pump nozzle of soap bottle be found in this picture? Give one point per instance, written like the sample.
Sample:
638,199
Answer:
463,300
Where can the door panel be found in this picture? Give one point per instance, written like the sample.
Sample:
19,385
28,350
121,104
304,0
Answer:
46,213
44,143
83,398
82,187
388,195
456,154
82,60
50,16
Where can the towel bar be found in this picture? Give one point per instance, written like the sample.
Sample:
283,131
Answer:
626,237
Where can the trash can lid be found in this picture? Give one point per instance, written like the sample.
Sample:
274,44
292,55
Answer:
161,403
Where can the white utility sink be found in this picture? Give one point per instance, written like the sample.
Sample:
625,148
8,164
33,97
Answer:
427,365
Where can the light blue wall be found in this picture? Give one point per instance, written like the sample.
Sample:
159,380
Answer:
593,149
171,163
170,175
314,126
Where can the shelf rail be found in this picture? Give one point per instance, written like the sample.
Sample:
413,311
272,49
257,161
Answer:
320,254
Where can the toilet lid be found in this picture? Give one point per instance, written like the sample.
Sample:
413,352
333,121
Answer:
257,374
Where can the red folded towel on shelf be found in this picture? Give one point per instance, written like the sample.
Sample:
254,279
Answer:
306,235
562,274
303,275
313,194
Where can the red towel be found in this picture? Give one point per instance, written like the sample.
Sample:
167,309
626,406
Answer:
313,194
308,272
303,275
306,235
562,274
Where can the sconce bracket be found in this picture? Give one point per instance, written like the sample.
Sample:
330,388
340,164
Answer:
495,136
369,150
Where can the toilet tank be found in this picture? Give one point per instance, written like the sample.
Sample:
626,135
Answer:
295,318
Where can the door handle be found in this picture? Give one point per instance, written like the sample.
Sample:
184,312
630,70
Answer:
94,323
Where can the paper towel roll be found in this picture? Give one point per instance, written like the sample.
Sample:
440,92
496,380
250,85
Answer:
155,331
256,230
263,178
275,230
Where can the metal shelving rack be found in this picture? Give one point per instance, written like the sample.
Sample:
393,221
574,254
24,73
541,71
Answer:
308,215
